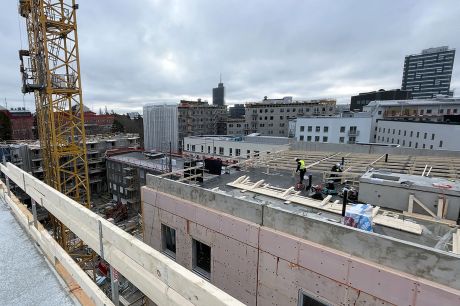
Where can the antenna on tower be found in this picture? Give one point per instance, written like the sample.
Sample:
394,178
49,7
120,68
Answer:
220,77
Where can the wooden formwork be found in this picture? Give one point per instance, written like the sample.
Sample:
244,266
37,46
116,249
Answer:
359,163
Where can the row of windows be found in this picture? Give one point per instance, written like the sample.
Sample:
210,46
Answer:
300,110
351,139
428,111
404,132
326,129
403,143
271,125
230,125
221,150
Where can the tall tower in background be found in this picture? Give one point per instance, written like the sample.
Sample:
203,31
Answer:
218,94
428,74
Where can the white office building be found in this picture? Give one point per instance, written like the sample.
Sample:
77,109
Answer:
419,135
339,129
234,147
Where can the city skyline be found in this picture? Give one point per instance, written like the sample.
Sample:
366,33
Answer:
168,51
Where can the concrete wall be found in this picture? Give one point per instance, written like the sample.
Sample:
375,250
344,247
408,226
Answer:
268,263
234,254
369,149
241,208
387,190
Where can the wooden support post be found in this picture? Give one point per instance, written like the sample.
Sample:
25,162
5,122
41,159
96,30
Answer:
440,207
410,207
456,242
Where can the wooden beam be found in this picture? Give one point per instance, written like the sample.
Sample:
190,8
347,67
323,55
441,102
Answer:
187,178
288,191
330,207
326,200
456,242
423,206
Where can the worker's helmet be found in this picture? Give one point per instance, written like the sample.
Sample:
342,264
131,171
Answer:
338,164
297,159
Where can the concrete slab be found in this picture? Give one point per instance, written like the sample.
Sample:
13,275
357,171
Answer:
25,276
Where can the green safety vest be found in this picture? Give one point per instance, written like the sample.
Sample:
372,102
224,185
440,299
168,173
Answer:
302,164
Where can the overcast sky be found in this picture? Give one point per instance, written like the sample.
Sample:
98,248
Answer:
137,52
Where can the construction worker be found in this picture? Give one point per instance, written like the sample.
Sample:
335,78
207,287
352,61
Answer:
336,168
301,167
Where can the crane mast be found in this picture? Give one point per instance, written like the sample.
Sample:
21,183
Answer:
51,70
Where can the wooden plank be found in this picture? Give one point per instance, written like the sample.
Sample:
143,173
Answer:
375,210
257,184
410,206
288,191
331,207
440,207
456,242
326,200
398,224
429,218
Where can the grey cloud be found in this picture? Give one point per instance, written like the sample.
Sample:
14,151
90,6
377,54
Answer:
136,52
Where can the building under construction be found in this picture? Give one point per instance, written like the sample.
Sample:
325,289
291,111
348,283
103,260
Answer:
255,236
380,229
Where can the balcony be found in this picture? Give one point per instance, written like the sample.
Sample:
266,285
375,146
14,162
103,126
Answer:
353,133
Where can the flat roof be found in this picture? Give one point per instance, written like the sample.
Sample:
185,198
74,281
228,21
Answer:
284,179
138,159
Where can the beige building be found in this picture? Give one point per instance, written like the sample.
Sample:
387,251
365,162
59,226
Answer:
201,118
271,116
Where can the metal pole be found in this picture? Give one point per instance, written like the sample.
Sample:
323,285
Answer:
386,157
7,180
344,204
170,156
343,160
34,213
310,177
114,286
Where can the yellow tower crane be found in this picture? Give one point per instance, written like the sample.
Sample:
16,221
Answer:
51,70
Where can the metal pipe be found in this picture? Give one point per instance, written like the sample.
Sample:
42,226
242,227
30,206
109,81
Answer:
34,213
114,286
345,201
